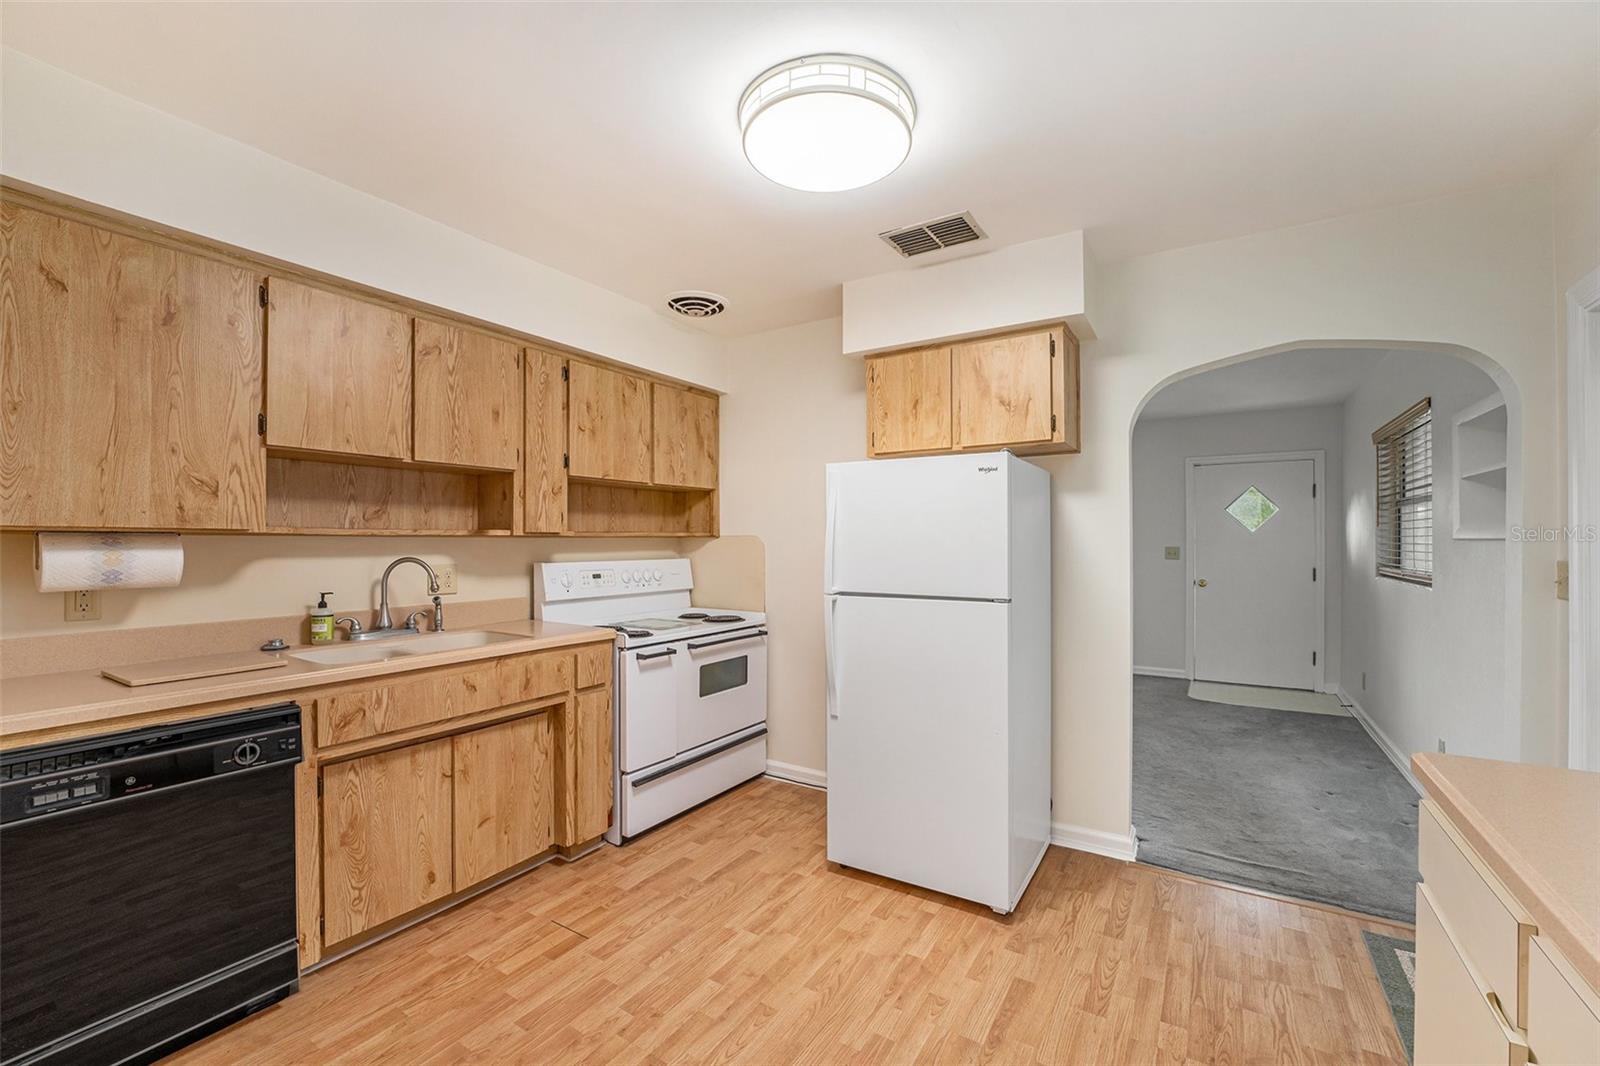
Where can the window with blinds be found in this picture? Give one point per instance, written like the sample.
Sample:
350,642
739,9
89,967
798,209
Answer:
1405,495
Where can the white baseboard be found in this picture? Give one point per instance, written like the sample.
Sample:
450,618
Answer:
1162,671
1097,841
1380,738
797,775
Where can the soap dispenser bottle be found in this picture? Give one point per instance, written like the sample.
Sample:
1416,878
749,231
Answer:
322,631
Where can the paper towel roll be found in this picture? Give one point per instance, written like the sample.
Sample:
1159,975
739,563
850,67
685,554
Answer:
67,562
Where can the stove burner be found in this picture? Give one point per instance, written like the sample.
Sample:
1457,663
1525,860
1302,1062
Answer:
627,631
693,616
724,618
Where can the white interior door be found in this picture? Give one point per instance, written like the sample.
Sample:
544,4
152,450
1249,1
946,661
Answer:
1257,605
917,756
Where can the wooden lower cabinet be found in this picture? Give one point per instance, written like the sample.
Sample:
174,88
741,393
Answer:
386,836
435,782
504,797
591,782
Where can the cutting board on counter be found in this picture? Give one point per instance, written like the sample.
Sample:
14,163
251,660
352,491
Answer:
233,662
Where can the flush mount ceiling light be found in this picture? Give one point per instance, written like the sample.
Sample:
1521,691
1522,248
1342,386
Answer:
826,123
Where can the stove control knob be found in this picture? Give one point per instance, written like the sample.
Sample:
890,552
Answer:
566,579
658,575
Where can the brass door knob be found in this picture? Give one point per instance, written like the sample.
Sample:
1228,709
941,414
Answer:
1201,582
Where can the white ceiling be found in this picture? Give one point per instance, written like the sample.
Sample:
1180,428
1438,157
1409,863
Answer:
1306,377
601,139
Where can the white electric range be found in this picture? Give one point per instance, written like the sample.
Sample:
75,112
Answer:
689,699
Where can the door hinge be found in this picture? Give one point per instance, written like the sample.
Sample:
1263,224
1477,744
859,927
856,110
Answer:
1313,573
261,294
565,460
1313,658
563,372
261,424
1313,490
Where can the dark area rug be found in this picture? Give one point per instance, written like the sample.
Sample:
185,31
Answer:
1304,805
1395,961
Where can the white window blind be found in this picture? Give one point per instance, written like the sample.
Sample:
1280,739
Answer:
1405,495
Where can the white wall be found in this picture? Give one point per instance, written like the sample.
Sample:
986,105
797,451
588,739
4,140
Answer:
794,405
1433,657
1160,447
71,136
1470,270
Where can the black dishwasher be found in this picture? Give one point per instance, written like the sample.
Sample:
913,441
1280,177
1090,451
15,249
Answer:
147,890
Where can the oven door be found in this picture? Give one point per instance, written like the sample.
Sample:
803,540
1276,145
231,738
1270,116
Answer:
722,686
649,703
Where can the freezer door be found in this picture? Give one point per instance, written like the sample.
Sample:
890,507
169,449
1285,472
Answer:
917,754
919,527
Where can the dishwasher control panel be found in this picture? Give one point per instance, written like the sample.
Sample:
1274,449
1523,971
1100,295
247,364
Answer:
53,778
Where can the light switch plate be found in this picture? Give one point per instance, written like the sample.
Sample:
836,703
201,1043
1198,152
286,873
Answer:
1172,553
447,580
81,606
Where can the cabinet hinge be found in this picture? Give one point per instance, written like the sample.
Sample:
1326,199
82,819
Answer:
1052,345
261,424
261,294
563,372
566,460
1052,423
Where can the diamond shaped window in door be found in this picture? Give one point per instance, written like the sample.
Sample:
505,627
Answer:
1252,509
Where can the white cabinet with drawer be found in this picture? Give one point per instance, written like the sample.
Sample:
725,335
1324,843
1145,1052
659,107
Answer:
1563,1015
1459,1021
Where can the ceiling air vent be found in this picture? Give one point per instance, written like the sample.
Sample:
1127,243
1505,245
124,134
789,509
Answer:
695,304
934,235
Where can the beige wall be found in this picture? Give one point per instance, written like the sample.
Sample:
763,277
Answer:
1575,229
794,405
233,577
1470,270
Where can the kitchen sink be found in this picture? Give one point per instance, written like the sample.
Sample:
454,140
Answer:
386,648
432,642
349,654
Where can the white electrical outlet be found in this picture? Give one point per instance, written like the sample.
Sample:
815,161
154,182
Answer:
82,606
447,580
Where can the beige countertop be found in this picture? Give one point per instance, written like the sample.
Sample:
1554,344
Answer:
1538,829
51,701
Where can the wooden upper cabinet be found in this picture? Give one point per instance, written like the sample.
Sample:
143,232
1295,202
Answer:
386,836
544,448
908,402
609,437
131,377
683,438
1003,390
504,797
467,397
338,373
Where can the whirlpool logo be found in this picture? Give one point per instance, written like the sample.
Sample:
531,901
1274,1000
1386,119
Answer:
987,469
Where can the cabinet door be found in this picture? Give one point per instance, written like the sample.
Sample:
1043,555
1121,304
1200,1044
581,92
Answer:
467,397
1003,392
610,435
908,402
338,373
386,829
591,785
544,450
683,438
132,382
504,797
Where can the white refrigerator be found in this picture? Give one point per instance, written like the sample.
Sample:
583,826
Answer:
937,619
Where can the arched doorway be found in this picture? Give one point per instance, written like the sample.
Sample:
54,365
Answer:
1322,585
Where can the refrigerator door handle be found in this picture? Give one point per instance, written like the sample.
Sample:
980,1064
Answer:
828,652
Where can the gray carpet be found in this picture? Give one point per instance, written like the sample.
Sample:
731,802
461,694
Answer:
1304,805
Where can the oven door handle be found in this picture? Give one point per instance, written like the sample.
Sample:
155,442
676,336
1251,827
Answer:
646,656
696,646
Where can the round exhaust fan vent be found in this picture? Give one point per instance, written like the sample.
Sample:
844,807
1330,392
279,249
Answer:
693,304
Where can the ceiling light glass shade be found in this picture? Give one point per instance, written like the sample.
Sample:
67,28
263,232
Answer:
827,123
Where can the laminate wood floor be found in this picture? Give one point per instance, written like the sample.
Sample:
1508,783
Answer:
727,937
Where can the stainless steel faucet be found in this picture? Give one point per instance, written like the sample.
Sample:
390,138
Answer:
386,626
